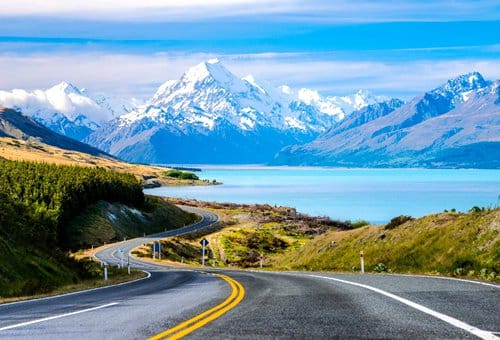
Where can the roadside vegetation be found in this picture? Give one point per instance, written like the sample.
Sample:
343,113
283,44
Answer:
450,243
246,232
38,203
454,244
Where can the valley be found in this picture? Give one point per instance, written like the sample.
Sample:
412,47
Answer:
249,169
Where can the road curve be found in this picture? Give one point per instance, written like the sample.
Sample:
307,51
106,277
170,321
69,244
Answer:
112,255
276,305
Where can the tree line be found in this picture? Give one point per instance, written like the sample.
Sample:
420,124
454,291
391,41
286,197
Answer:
37,200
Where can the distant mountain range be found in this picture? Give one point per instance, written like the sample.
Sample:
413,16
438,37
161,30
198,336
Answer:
16,125
210,115
66,109
454,125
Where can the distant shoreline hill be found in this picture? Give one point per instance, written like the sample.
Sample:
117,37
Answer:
16,125
212,116
456,125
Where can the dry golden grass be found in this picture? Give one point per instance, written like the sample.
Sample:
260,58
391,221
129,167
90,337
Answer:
15,149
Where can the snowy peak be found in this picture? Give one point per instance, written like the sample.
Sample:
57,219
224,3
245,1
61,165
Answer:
356,101
208,95
213,71
459,89
64,87
466,82
337,106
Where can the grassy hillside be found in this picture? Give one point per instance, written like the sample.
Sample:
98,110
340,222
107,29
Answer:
105,222
448,243
247,232
47,209
20,150
457,244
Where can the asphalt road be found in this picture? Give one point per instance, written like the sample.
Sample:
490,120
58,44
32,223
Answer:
276,305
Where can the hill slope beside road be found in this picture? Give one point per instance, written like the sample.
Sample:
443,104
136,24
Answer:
291,305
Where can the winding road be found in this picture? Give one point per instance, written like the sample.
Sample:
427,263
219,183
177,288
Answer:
229,304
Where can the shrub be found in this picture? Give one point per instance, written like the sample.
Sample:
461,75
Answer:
397,221
359,223
380,268
181,174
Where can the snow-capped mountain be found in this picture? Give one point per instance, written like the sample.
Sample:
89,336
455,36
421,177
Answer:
208,93
66,109
454,125
215,117
339,106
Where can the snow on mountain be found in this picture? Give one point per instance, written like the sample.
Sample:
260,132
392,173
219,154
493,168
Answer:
459,89
338,106
65,108
209,115
208,92
356,101
454,125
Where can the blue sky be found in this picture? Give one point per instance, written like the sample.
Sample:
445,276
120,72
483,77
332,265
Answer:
397,48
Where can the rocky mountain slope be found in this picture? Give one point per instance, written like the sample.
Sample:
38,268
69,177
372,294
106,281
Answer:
66,109
16,125
454,125
210,115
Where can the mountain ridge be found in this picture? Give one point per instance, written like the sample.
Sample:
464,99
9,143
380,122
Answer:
65,108
16,125
462,114
211,115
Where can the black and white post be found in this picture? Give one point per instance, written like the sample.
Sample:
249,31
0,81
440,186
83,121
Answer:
204,243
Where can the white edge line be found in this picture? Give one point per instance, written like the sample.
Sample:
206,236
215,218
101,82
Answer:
57,316
77,292
452,321
449,278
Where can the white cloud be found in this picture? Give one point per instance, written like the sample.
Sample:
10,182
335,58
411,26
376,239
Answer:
322,10
139,75
146,10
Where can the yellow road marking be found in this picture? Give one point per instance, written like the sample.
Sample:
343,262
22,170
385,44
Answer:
200,320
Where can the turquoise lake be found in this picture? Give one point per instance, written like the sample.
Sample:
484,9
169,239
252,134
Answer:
375,195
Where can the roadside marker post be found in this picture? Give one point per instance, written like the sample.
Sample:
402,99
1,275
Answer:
121,258
261,258
203,243
128,264
105,271
362,260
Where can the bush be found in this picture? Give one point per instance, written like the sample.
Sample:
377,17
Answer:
397,221
380,268
181,174
359,223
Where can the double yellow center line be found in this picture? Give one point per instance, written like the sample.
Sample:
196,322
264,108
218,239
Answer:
200,320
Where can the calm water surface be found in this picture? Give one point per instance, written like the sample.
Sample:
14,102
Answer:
375,195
